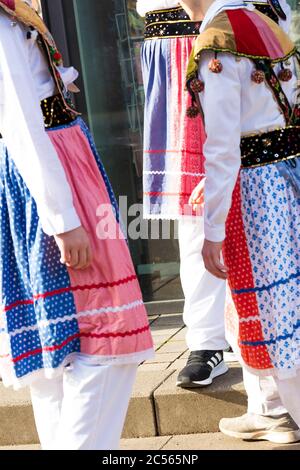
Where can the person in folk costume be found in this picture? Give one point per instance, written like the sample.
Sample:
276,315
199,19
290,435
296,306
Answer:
248,70
73,325
173,167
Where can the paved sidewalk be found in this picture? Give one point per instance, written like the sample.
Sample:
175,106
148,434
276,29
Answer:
157,407
168,333
168,410
171,352
210,441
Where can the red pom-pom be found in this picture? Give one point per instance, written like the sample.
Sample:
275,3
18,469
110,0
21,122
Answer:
215,66
197,86
192,112
258,76
285,75
57,56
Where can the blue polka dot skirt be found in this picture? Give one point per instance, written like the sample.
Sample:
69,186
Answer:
262,252
48,313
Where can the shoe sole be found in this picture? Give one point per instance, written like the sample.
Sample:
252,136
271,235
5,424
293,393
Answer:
277,437
221,369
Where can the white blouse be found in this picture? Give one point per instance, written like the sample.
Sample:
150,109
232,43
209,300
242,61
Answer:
24,81
233,106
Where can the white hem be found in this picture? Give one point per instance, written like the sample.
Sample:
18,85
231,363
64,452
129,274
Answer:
134,358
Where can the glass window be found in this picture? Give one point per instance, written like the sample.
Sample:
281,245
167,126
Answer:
109,34
295,27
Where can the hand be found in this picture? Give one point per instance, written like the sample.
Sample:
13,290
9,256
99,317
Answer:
75,248
193,9
212,259
197,197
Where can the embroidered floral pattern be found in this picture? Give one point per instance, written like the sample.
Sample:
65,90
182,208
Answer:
271,220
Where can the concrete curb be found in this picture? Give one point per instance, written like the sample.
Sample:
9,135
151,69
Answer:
196,411
157,408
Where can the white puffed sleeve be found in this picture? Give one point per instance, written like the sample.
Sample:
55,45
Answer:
22,127
221,102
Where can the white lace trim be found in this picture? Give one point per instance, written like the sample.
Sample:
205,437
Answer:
246,320
87,313
176,173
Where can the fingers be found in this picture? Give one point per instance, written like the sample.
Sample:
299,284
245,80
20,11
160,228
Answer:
85,258
75,248
89,256
197,202
77,258
193,196
212,260
81,259
197,197
216,268
65,255
74,258
198,206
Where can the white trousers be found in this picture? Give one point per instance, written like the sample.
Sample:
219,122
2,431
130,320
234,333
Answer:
85,408
289,391
204,294
263,395
270,396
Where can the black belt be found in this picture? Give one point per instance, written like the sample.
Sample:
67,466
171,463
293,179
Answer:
54,112
174,22
170,23
270,147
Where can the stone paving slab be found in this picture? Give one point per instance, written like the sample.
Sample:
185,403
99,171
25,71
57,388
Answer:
154,366
166,332
141,420
168,321
167,357
150,443
193,411
16,417
180,335
17,423
185,355
220,442
173,346
158,343
178,365
215,441
31,447
155,398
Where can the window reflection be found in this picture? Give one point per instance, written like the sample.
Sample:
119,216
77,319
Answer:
295,27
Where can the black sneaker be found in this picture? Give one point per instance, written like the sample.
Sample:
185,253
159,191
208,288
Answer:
202,367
